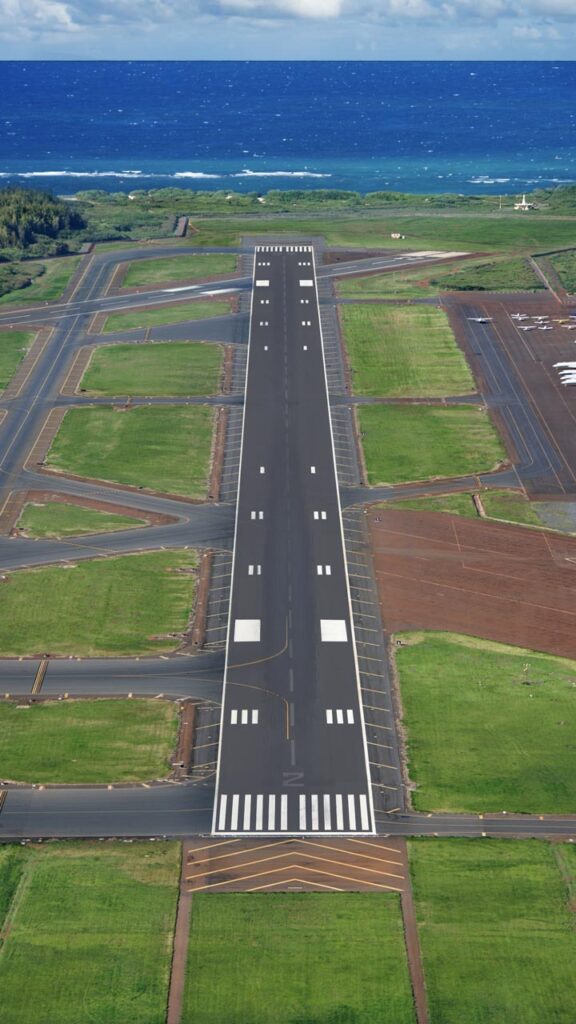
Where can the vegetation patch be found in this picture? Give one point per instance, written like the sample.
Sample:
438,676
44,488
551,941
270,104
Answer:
96,920
565,265
489,727
178,268
503,275
13,347
89,741
404,351
293,958
419,442
166,448
195,310
22,282
133,604
496,930
167,368
508,506
55,519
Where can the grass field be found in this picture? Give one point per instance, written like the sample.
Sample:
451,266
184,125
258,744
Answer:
88,932
195,310
13,347
297,959
58,519
49,280
403,351
489,727
403,443
88,741
126,605
565,265
496,930
509,506
493,275
178,268
169,368
445,231
165,448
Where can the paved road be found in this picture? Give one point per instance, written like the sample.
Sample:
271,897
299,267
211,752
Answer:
292,751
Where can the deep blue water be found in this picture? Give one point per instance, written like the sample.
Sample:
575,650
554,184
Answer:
252,126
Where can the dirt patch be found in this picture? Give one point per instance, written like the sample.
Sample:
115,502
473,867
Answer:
504,583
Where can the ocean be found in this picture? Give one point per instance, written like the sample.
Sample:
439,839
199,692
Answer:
487,127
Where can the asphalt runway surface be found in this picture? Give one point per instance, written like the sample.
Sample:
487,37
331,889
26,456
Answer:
316,761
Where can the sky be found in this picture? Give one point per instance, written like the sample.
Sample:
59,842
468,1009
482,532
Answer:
288,29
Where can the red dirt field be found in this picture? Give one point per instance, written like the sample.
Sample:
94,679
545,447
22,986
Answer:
504,583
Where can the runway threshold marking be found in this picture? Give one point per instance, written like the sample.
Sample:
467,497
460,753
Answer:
3,795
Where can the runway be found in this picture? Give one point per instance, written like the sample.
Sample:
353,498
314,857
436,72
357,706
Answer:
293,754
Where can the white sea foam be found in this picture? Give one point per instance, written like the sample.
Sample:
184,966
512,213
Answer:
247,173
191,174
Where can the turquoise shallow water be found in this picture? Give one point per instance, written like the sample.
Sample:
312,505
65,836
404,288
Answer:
252,126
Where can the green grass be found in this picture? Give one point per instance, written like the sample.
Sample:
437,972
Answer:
48,280
403,443
487,275
509,506
90,933
57,519
565,265
489,727
178,268
89,741
297,959
126,605
166,448
496,932
13,347
195,310
168,368
403,351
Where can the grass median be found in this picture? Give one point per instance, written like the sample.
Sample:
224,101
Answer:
565,265
13,347
56,519
178,268
127,605
165,315
167,368
89,741
166,448
48,280
419,442
496,927
86,934
489,727
292,958
507,506
503,275
404,351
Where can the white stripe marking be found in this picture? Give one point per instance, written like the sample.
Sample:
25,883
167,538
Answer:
314,812
302,811
351,813
364,812
244,716
222,815
259,809
312,469
339,812
247,631
339,716
271,813
234,717
283,813
329,716
247,809
350,716
327,814
250,570
234,814
255,717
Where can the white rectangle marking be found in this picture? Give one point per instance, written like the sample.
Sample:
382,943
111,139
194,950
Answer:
222,814
259,809
244,716
284,812
234,813
306,283
323,515
351,813
314,812
333,631
328,570
312,469
262,469
305,348
247,631
250,570
247,810
302,812
329,716
350,716
327,814
316,515
262,284
271,813
339,812
234,717
260,515
255,716
339,716
252,515
319,570
364,813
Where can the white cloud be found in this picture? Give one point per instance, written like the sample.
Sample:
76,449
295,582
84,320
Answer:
25,18
298,8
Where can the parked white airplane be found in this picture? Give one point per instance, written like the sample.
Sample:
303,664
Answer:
569,327
519,316
528,327
571,365
479,319
545,327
